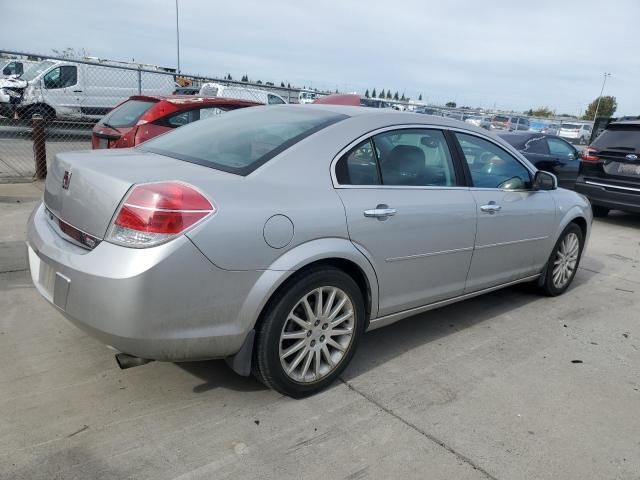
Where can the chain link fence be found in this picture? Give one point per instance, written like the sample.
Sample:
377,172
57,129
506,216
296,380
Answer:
51,104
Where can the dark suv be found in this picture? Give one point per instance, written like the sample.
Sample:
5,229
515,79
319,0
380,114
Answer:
610,169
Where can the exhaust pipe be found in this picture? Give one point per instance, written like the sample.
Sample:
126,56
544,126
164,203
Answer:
127,361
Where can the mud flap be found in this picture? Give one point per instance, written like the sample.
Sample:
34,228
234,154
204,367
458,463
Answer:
241,361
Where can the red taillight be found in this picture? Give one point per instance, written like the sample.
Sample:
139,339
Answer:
153,213
589,155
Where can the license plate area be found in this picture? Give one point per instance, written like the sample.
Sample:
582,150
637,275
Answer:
632,169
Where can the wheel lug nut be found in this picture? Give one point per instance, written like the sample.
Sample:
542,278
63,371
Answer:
317,323
309,333
325,326
313,343
322,338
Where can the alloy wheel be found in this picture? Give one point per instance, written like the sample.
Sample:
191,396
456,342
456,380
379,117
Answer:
566,260
317,334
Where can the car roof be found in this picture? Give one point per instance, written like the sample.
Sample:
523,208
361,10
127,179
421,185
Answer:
193,99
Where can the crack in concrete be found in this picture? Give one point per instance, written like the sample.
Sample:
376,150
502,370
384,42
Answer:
458,455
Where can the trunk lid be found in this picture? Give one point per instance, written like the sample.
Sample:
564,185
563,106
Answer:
618,148
84,189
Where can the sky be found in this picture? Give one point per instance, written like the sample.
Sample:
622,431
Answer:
491,53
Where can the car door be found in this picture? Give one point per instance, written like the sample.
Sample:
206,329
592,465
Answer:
514,221
565,161
408,212
62,90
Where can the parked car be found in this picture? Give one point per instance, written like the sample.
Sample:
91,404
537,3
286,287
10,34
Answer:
504,122
575,132
428,111
551,129
339,99
306,96
141,117
536,125
270,239
240,92
481,121
610,169
68,90
548,153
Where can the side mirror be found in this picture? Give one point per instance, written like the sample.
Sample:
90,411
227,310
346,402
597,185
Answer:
571,156
545,181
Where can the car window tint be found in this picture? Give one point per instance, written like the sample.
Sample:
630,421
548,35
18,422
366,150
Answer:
242,140
535,145
491,166
414,158
183,118
128,113
559,147
358,166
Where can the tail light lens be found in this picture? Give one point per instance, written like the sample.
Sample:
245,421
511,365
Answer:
154,213
589,155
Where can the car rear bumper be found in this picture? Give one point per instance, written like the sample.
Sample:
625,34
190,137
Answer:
162,303
609,196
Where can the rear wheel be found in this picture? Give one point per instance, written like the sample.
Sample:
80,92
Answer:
309,333
563,262
599,211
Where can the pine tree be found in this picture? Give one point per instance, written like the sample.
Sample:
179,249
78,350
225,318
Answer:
420,98
373,94
366,94
396,97
381,94
388,94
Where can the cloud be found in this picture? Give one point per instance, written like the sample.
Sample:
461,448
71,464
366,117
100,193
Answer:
512,54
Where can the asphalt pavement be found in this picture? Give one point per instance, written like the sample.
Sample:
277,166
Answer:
507,386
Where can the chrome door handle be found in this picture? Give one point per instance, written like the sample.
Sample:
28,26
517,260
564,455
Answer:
381,212
491,208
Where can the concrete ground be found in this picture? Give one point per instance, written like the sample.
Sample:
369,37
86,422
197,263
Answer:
506,386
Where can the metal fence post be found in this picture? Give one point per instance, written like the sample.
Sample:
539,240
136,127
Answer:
139,82
39,146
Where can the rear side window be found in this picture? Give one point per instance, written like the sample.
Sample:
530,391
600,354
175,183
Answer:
619,137
534,145
275,100
127,114
358,167
240,141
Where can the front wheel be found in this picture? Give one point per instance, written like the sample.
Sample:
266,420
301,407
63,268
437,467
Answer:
563,262
309,333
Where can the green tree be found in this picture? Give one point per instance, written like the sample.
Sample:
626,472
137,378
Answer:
366,93
450,104
282,84
396,96
288,85
403,98
373,93
245,78
381,95
608,106
389,96
543,112
420,97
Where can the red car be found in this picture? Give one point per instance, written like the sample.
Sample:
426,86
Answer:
143,117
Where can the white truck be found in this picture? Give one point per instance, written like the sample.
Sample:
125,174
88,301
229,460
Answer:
77,91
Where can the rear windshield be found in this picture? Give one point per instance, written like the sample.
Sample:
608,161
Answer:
570,126
242,140
500,118
127,114
623,138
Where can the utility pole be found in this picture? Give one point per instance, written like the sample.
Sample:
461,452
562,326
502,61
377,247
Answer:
178,35
604,81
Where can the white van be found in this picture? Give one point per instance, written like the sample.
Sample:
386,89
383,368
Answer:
69,90
306,97
241,93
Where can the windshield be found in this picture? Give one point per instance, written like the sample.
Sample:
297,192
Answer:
127,114
35,70
570,126
622,137
244,139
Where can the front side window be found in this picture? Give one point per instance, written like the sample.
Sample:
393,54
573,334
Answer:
275,100
560,147
491,166
414,158
240,141
61,77
358,166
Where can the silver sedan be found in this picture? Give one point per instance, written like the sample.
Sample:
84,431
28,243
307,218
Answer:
274,237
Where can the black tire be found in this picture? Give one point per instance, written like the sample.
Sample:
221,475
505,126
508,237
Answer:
548,287
46,113
599,211
267,366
